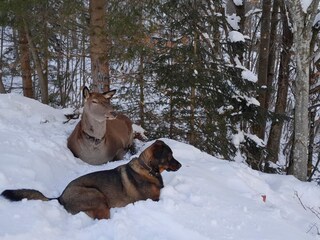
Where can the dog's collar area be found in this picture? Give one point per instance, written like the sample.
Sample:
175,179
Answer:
92,139
151,171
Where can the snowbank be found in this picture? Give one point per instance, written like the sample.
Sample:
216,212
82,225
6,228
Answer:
207,198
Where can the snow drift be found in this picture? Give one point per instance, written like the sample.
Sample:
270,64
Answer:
207,198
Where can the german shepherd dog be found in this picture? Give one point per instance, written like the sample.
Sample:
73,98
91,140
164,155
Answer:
95,193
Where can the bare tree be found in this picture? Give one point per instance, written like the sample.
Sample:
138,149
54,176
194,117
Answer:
302,21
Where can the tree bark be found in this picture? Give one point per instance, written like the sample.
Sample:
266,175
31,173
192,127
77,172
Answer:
25,64
302,26
272,50
312,117
273,144
2,89
37,62
171,114
192,134
259,129
192,137
99,46
141,95
314,91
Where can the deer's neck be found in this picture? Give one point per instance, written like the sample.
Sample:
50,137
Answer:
92,127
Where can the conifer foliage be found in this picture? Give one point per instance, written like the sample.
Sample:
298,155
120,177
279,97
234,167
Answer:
187,69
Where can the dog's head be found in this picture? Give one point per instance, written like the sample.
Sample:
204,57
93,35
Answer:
161,158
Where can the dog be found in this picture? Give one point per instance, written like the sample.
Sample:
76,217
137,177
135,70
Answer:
95,193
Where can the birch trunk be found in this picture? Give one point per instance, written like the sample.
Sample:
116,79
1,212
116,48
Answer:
302,33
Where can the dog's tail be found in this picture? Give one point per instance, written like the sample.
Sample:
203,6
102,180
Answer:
19,194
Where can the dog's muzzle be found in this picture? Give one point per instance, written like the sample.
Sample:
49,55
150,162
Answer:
174,165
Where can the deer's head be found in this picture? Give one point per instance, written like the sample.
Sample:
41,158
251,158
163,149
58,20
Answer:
97,105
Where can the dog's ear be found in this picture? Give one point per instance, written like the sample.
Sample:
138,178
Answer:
158,149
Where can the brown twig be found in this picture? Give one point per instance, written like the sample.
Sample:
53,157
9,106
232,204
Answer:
296,194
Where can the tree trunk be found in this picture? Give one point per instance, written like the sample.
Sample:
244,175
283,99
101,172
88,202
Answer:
141,87
241,12
259,128
192,137
25,64
37,62
171,114
273,144
302,25
312,111
99,45
83,70
301,123
312,117
192,134
272,50
2,89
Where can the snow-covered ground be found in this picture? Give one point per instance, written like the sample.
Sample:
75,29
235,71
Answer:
207,198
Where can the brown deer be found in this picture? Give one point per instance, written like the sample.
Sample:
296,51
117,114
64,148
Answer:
101,135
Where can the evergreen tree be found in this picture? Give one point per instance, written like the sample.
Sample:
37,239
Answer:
206,95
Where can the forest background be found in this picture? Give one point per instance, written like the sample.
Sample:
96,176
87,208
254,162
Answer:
238,79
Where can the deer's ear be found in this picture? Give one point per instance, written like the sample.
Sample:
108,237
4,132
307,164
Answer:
85,92
109,94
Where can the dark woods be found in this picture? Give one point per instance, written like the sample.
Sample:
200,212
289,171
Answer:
222,77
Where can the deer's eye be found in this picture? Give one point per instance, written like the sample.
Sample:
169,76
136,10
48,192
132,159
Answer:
95,101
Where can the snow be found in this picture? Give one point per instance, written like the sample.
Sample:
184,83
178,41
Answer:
235,36
233,20
207,198
238,138
238,2
305,5
248,75
251,101
316,21
256,139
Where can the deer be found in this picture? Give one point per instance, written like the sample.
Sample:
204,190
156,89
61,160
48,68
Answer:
101,135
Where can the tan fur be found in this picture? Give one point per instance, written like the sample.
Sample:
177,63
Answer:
100,137
97,192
